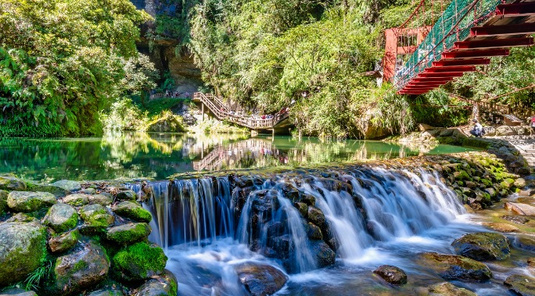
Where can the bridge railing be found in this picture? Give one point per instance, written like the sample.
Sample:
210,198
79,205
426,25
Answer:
454,25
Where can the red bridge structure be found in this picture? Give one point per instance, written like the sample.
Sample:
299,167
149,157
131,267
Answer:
467,34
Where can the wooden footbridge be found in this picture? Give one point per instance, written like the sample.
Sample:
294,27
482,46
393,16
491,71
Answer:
466,35
222,111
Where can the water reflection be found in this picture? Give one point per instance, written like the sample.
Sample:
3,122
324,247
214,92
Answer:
158,156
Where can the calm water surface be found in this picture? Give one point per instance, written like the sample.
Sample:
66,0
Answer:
158,156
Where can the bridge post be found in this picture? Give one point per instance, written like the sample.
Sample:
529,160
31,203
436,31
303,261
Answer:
389,60
202,111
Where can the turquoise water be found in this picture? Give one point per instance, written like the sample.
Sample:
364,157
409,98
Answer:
158,156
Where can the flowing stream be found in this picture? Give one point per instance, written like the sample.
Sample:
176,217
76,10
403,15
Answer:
371,217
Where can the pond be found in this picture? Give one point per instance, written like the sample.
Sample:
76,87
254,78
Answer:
157,156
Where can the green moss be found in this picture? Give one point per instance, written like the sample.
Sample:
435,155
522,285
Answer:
140,261
462,175
128,233
486,182
79,266
96,216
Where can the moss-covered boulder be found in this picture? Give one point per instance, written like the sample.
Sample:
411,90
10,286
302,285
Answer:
64,242
521,285
61,217
126,195
453,267
128,233
132,210
68,185
167,123
260,279
325,256
101,199
22,249
139,261
448,289
96,216
27,201
3,202
77,199
163,285
483,246
11,183
84,268
392,274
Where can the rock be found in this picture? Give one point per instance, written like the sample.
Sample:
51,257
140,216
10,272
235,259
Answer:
22,249
139,261
391,274
127,195
21,217
531,262
11,183
164,285
169,123
96,216
100,199
68,185
302,208
128,233
89,191
483,246
107,292
505,130
316,216
521,285
453,267
64,242
3,202
520,209
516,219
26,201
132,211
77,199
325,256
520,183
80,270
525,242
260,279
314,232
61,217
448,289
17,292
502,227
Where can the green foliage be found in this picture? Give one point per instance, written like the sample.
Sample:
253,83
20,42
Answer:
34,280
124,115
438,108
63,61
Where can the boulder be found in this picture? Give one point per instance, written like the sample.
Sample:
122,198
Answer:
127,195
260,279
314,232
391,274
132,211
316,216
502,227
325,256
139,261
21,217
520,209
521,285
22,248
483,246
107,292
169,123
454,267
17,292
64,242
77,199
516,219
96,216
128,233
26,201
3,202
164,285
61,217
68,185
525,242
101,199
84,268
448,289
11,183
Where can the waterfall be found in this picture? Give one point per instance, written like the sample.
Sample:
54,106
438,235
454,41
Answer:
282,217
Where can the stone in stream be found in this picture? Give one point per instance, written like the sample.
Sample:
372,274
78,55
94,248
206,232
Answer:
126,195
82,269
17,292
521,285
531,262
64,242
27,201
520,208
516,219
128,233
502,227
260,279
61,217
132,210
448,289
314,232
325,256
68,185
101,199
107,292
96,216
392,274
139,261
483,246
454,267
316,216
524,242
22,249
162,285
77,199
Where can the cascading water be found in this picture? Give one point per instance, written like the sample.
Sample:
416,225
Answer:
295,221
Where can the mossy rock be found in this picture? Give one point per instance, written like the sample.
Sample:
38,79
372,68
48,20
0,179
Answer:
101,199
448,289
3,202
27,201
483,246
164,285
12,183
521,285
128,233
132,210
77,199
61,217
64,242
22,250
168,123
17,292
139,261
127,195
68,185
107,292
453,267
96,216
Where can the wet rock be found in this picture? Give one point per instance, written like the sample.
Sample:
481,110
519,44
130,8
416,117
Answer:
314,232
483,246
516,219
525,242
448,289
260,279
308,199
26,201
17,292
302,208
107,292
531,262
22,248
77,199
520,183
132,210
101,199
316,216
96,216
89,191
11,183
502,227
80,270
520,209
139,261
128,233
64,242
164,285
453,267
325,256
391,274
127,195
61,217
68,185
521,285
21,217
